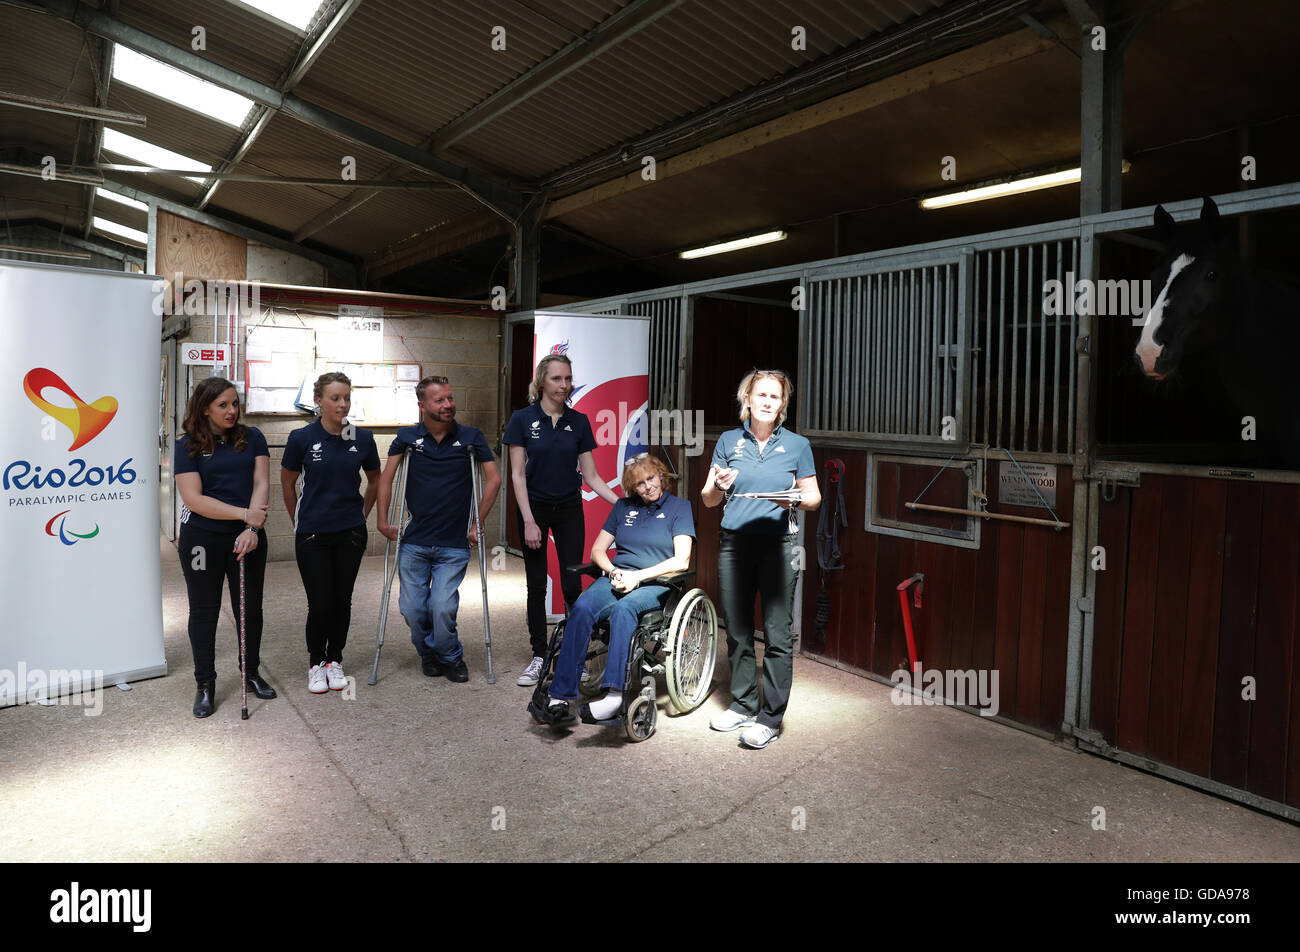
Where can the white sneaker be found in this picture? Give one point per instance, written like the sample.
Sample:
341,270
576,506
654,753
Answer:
531,673
729,720
334,675
759,736
317,681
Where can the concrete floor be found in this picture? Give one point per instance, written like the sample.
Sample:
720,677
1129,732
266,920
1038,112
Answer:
425,770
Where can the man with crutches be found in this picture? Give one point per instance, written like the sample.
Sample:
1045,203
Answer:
434,551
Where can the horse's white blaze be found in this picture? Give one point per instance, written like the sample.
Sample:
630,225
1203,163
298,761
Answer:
1148,350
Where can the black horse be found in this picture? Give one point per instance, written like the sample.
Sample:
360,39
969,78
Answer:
1207,303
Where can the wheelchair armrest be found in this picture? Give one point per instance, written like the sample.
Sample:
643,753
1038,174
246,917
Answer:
677,580
586,568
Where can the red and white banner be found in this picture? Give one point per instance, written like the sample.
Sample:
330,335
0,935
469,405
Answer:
611,385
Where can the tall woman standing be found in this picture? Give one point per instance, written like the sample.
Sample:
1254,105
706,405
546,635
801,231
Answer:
223,475
550,457
329,521
758,551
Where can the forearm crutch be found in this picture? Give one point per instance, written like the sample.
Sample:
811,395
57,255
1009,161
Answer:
396,517
482,564
243,670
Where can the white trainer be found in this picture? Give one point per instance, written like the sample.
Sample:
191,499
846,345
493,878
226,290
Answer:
759,736
730,720
334,675
532,673
317,680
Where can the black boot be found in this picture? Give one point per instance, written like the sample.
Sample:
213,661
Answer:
259,687
205,699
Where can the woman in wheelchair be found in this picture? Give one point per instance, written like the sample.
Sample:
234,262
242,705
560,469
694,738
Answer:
652,530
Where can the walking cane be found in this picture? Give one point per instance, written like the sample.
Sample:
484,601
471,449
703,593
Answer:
482,564
243,671
396,517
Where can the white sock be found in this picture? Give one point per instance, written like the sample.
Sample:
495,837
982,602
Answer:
606,706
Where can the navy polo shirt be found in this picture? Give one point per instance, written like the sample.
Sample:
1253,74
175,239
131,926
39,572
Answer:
438,488
643,535
552,468
331,500
786,457
227,476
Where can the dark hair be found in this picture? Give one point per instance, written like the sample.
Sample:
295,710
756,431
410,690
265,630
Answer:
324,380
196,425
428,382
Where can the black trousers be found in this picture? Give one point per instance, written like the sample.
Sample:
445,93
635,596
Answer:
208,560
564,521
751,565
328,563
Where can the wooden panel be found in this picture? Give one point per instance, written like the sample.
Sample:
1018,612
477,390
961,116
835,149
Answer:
1292,754
984,630
885,655
1056,615
1007,630
1170,621
1108,625
937,563
1236,634
1032,598
199,252
961,618
1201,646
1139,615
1274,639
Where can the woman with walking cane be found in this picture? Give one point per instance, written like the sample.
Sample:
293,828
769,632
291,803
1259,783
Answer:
329,522
223,475
758,552
550,443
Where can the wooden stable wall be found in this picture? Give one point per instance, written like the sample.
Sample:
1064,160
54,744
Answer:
1199,592
1003,606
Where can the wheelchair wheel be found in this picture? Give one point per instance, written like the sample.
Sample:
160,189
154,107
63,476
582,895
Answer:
641,716
593,672
692,650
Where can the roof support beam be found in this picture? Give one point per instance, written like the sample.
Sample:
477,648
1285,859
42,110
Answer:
494,194
111,251
633,18
312,47
102,81
343,267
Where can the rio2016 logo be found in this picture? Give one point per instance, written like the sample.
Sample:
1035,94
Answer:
85,420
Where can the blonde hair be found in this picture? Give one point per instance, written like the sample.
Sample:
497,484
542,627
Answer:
636,466
753,377
539,375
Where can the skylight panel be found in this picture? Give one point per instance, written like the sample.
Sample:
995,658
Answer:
152,155
184,89
113,228
121,199
297,13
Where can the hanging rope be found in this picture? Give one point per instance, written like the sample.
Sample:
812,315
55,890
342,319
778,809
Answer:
829,520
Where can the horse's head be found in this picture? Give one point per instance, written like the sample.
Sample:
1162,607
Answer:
1188,287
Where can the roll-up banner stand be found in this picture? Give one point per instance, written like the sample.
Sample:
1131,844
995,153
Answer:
611,385
79,568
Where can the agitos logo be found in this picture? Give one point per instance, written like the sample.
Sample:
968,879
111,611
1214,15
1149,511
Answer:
85,420
63,534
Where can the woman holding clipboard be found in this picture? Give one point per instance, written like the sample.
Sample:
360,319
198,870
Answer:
757,552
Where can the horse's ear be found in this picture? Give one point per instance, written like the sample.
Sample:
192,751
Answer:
1165,227
1210,218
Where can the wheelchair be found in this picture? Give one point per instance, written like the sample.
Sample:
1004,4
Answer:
679,640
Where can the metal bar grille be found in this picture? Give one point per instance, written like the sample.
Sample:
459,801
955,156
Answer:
665,349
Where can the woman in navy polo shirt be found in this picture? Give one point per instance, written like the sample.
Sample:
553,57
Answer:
653,531
223,472
758,550
329,521
550,443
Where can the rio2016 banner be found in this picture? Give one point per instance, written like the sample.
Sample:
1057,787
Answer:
79,569
611,385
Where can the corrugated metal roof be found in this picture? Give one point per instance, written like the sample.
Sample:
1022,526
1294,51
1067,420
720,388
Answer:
391,216
236,37
43,56
694,57
410,67
280,206
174,127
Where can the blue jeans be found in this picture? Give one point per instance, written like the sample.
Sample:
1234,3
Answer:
431,577
599,602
